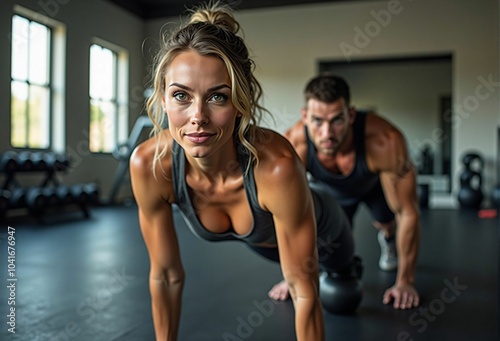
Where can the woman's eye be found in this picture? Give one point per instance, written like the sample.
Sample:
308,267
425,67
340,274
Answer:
180,96
218,97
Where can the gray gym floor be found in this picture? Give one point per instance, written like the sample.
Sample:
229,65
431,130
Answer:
86,279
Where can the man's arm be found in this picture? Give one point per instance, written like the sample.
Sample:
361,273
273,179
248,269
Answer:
398,178
297,137
166,277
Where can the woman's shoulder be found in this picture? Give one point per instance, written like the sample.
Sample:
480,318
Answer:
275,153
143,167
279,171
144,153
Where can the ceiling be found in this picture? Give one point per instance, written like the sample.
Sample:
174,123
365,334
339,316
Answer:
150,9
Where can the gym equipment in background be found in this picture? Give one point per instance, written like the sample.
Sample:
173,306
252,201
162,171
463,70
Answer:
495,191
470,194
423,195
50,193
495,196
123,152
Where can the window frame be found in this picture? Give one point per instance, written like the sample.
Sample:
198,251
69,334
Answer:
57,128
120,93
49,86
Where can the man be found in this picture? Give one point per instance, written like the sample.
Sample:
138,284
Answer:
361,157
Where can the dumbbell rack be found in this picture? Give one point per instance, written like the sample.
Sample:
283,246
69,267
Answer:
50,194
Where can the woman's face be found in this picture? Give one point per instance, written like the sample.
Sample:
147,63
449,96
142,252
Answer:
198,103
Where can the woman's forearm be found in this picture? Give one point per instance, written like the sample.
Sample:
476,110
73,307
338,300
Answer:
309,324
166,308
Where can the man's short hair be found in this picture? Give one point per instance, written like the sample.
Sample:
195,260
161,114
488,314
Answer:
327,88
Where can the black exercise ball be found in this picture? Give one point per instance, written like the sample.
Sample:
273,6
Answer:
340,295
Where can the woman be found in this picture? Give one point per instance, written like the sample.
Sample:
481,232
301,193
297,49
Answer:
231,179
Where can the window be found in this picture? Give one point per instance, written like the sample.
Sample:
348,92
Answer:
30,84
108,109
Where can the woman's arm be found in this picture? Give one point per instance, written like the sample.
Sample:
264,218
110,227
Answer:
284,191
166,278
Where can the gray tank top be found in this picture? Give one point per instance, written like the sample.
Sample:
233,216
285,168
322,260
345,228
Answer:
262,231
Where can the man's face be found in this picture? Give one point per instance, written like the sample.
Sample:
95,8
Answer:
327,124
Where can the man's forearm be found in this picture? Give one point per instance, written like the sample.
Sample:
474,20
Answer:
407,242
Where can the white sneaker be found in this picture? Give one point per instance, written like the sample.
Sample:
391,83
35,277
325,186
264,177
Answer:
388,255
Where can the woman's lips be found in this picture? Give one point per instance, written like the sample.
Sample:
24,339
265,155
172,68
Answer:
199,137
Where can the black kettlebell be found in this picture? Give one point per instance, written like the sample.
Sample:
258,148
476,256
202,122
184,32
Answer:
470,194
341,293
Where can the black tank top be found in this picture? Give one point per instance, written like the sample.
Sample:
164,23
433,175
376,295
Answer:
348,189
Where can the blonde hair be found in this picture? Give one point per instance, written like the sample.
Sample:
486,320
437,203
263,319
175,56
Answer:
211,30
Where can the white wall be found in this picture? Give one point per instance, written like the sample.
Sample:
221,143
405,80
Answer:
405,93
287,44
84,20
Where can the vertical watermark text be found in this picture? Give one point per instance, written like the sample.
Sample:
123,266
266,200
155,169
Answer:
11,279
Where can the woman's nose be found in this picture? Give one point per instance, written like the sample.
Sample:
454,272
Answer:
198,117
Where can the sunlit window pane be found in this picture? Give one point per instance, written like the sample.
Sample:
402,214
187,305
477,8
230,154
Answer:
39,117
19,101
102,73
30,84
39,54
108,74
103,103
19,48
108,125
94,71
95,142
102,126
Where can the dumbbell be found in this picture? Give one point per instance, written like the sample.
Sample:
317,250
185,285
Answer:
64,195
92,191
51,198
4,200
25,161
38,161
79,195
9,161
36,199
61,162
18,198
50,159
